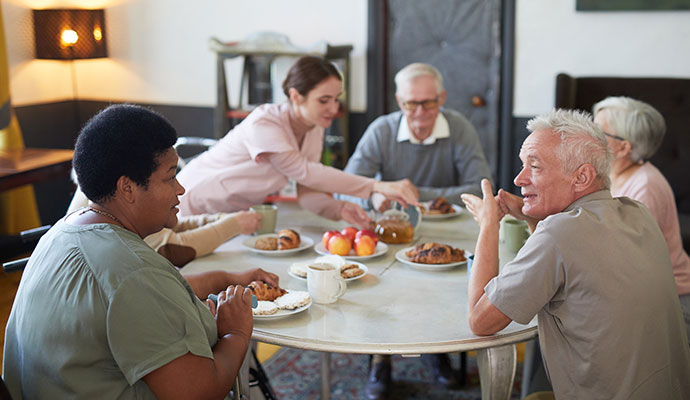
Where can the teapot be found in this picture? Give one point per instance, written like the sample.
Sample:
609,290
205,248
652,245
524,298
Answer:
397,225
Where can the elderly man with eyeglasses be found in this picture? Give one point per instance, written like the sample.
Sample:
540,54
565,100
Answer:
438,150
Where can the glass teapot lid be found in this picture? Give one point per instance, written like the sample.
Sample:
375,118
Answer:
397,211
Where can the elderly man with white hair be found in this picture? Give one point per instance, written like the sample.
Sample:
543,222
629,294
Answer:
596,270
438,150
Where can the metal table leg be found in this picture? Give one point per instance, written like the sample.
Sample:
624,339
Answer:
497,367
325,375
244,373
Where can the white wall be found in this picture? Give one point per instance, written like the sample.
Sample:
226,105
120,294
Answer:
552,37
158,49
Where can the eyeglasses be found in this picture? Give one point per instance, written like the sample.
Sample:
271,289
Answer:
426,104
615,136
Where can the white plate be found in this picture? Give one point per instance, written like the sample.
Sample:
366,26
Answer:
400,256
362,266
283,313
434,217
305,243
381,249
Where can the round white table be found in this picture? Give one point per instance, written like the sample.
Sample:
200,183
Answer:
394,309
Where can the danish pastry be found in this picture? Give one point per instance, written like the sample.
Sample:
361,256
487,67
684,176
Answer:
288,239
440,205
435,253
292,300
265,308
264,291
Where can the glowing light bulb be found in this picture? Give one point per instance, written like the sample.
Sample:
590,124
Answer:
97,33
68,37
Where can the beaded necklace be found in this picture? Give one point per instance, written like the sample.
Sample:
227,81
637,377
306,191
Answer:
105,214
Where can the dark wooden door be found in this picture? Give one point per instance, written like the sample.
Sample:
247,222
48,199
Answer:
462,38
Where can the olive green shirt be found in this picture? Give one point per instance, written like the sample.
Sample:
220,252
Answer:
96,311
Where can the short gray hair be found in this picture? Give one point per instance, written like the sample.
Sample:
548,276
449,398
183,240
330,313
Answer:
582,141
415,70
635,121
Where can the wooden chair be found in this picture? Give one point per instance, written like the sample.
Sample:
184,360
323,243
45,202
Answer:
4,392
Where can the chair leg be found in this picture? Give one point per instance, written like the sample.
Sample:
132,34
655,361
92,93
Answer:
259,375
463,368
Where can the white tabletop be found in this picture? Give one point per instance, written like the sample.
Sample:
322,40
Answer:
394,309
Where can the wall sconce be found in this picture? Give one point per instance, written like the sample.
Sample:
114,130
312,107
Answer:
69,34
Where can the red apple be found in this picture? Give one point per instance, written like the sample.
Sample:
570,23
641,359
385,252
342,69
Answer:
350,232
339,244
367,232
326,237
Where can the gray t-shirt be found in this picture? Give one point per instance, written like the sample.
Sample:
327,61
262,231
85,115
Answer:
97,310
599,277
449,167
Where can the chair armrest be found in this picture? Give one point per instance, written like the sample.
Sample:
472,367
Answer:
16,265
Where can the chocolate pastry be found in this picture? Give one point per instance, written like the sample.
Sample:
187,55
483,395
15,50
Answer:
435,253
264,291
440,206
288,239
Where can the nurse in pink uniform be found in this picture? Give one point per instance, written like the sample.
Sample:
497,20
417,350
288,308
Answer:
277,142
635,131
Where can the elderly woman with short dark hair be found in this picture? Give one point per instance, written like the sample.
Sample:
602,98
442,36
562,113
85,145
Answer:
634,131
99,313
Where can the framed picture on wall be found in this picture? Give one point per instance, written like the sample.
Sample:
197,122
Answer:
631,5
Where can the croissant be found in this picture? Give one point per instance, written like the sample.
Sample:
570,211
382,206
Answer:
264,291
435,253
288,239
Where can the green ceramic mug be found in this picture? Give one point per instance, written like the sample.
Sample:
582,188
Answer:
269,214
515,233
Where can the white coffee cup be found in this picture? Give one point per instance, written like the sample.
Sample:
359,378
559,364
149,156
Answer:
324,283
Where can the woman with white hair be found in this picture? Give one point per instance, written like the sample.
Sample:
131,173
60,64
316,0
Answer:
635,130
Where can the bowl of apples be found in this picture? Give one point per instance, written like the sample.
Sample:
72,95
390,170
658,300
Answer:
351,243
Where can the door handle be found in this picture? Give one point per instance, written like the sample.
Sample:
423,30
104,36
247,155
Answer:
478,101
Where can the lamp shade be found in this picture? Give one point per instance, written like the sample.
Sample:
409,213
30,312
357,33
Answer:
68,34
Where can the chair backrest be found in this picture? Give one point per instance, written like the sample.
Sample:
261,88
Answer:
188,147
13,246
671,96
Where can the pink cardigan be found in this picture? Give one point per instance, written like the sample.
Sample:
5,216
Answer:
648,186
256,159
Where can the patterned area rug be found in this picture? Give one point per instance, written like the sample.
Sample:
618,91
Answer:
295,374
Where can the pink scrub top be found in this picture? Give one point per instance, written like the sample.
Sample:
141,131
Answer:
648,186
256,159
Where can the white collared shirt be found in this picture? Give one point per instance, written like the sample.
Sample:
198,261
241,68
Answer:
441,130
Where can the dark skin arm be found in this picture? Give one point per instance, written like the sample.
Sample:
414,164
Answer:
205,283
195,377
